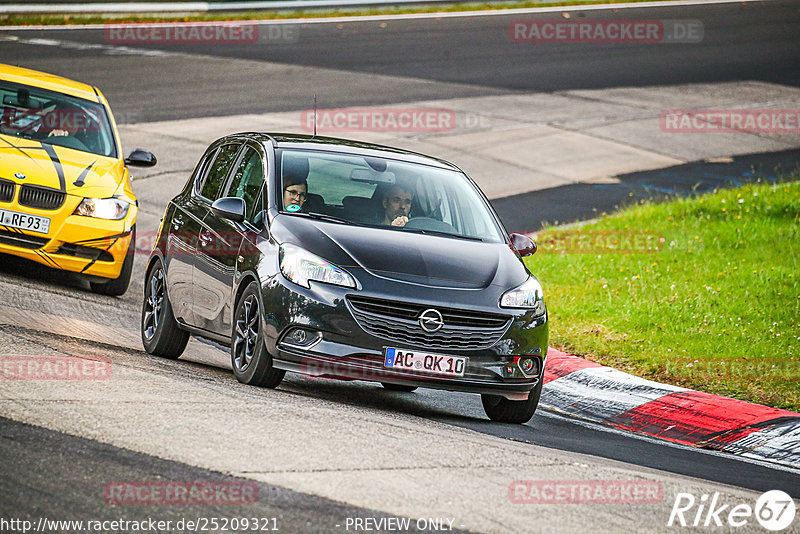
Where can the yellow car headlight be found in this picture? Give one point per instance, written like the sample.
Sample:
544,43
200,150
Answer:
113,209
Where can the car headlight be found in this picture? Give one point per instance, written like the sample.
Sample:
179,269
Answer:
300,266
527,295
113,209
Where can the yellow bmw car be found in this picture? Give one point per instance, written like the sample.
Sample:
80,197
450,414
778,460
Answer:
65,192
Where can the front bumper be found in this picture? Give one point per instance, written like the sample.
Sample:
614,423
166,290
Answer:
339,347
94,247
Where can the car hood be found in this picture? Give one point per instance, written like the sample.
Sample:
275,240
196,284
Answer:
77,173
406,256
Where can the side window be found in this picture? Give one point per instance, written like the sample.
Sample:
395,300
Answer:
247,182
218,171
200,170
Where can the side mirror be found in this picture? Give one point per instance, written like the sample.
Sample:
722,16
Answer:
231,208
141,158
523,244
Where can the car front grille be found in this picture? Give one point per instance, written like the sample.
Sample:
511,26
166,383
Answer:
15,239
42,198
6,190
399,322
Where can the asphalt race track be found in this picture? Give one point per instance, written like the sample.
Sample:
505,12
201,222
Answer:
61,446
426,59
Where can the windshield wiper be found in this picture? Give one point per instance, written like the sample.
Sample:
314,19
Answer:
329,218
444,234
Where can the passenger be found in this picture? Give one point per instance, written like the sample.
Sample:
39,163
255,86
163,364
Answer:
295,192
397,205
295,185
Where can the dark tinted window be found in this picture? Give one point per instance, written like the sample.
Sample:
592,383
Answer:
248,179
219,171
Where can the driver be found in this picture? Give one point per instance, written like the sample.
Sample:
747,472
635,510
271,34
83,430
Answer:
397,205
62,120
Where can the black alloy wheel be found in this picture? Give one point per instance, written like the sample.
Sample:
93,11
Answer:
251,362
161,334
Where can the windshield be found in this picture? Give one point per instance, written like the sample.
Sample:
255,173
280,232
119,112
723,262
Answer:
55,119
385,193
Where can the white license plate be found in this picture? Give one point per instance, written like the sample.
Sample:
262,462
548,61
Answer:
423,362
32,223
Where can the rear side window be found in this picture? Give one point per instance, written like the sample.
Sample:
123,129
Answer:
219,171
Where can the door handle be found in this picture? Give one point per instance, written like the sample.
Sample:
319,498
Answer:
205,239
177,222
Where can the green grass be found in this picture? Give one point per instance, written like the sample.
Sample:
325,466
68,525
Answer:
713,304
56,19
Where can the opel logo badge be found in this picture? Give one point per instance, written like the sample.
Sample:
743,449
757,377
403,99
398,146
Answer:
431,320
19,176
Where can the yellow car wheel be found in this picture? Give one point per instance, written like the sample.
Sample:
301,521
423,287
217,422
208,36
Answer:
119,285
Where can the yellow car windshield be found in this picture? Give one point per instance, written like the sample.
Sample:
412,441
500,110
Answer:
56,119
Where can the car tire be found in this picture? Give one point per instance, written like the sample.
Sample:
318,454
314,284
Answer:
118,286
398,387
161,334
252,364
502,410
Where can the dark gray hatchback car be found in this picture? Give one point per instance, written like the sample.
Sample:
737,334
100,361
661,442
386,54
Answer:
347,260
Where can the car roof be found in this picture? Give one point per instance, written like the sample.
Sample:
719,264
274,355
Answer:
51,82
344,146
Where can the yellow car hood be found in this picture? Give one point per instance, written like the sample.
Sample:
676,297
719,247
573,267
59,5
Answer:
76,172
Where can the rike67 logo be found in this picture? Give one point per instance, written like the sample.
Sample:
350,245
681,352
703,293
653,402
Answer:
774,510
